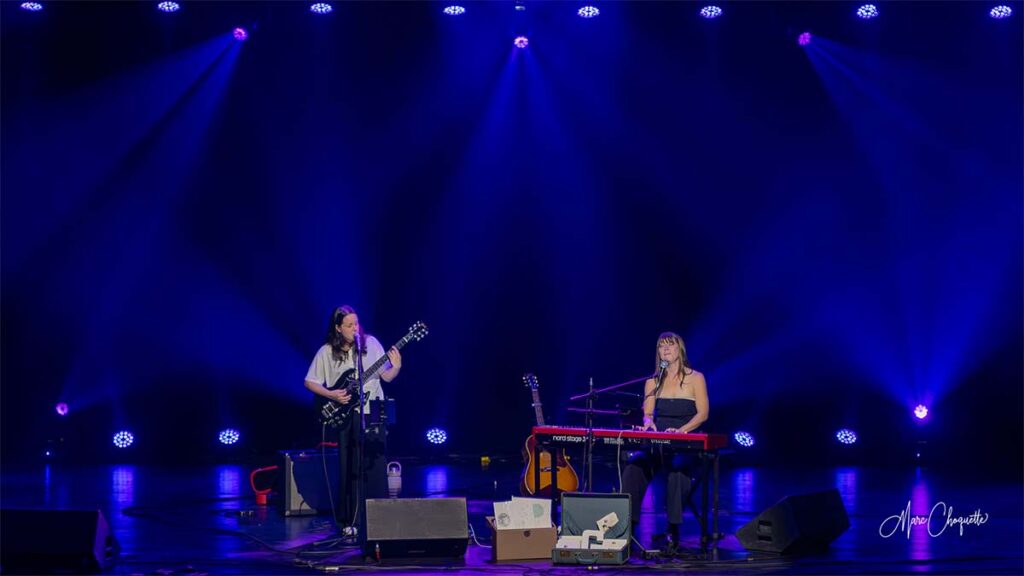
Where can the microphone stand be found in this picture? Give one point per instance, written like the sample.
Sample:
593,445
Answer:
588,454
360,447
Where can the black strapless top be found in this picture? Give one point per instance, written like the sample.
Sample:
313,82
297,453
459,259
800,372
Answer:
673,412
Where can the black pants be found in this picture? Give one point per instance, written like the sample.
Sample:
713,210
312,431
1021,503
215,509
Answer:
641,468
374,468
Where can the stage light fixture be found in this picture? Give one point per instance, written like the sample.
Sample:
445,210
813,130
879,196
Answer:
999,12
228,436
867,11
710,12
846,436
123,439
745,439
436,436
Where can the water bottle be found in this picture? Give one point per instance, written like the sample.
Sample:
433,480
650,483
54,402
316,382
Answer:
394,479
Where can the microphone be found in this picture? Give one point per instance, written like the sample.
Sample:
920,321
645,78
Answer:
661,369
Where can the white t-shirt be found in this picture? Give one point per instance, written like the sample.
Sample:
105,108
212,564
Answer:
325,370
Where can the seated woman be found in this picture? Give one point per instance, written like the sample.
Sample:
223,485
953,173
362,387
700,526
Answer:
674,401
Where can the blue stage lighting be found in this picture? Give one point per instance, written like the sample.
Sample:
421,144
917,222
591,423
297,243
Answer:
921,411
123,439
454,10
999,12
588,12
710,12
228,436
846,436
867,11
436,436
745,439
168,7
321,8
31,6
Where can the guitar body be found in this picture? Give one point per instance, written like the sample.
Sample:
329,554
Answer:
568,481
332,413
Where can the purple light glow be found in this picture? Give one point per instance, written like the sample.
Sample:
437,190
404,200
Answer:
999,12
867,11
62,409
921,412
454,10
321,8
31,6
521,42
710,12
240,34
588,12
168,7
804,39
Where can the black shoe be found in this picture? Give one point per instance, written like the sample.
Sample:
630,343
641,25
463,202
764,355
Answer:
662,542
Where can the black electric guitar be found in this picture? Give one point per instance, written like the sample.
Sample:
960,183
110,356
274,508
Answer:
336,415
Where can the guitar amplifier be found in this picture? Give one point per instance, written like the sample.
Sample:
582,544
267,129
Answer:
308,486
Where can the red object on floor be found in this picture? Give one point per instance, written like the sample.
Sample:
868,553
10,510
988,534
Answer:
261,495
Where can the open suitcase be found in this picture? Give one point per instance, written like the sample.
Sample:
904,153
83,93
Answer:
584,517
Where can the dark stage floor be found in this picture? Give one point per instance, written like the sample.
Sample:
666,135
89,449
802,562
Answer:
205,520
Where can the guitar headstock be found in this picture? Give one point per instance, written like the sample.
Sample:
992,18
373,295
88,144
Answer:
530,380
418,331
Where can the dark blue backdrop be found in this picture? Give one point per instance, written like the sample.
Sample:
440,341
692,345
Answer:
836,231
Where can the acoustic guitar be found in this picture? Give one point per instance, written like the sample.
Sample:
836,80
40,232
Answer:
568,481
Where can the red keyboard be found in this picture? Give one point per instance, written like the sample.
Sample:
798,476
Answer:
566,436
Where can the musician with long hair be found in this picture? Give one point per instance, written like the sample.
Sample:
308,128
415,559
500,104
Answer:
675,400
336,356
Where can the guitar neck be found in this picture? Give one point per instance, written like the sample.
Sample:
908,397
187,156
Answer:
537,408
376,366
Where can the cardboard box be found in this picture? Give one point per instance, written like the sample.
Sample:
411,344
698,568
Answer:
535,543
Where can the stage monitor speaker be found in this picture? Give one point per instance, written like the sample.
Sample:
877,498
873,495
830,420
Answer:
55,542
416,528
309,477
801,524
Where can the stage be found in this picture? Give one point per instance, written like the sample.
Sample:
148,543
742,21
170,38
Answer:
196,520
794,225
